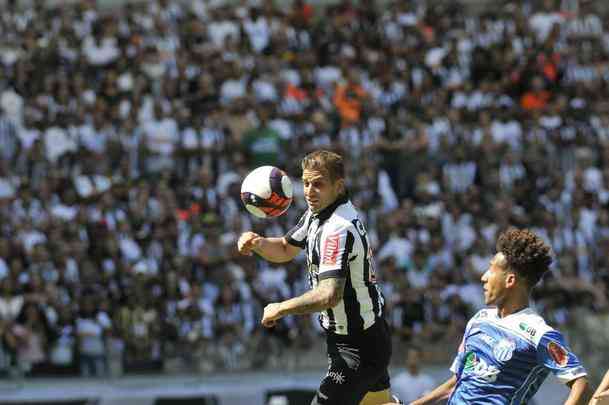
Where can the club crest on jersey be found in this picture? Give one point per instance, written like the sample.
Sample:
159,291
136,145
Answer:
558,354
330,249
504,350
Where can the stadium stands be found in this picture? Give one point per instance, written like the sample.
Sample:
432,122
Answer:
125,134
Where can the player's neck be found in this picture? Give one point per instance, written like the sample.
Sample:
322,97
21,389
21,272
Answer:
512,305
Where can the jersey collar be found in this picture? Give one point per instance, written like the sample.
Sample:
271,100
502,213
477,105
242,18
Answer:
329,210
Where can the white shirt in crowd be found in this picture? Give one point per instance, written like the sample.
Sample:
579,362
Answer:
58,142
258,32
460,176
542,23
218,31
91,332
161,135
102,53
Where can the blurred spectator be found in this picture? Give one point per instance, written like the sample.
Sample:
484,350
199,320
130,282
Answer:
8,346
412,383
92,326
11,302
263,145
34,335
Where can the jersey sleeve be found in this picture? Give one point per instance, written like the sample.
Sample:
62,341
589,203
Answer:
555,355
455,367
457,363
297,236
336,245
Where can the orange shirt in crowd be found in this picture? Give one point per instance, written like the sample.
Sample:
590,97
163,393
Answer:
347,99
299,94
535,100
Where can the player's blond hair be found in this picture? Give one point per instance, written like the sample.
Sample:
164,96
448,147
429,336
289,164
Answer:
325,161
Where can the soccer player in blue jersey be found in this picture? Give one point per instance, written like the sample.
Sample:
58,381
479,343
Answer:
508,350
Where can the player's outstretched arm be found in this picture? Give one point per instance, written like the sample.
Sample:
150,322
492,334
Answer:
441,392
327,294
276,250
578,387
602,392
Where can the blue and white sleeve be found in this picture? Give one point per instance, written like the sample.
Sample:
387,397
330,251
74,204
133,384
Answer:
554,354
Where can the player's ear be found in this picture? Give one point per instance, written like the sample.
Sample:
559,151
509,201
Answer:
510,280
340,184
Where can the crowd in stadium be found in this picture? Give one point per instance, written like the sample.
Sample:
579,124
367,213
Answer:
125,135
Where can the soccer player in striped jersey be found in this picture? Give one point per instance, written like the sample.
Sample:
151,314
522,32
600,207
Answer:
508,350
343,285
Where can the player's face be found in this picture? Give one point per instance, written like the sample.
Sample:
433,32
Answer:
319,190
494,281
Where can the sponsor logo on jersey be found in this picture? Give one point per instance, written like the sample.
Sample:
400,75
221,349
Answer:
558,354
504,350
337,377
470,361
330,250
477,367
527,329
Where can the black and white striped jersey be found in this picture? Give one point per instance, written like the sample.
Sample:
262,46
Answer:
337,245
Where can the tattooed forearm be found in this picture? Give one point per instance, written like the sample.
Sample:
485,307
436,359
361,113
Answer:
326,295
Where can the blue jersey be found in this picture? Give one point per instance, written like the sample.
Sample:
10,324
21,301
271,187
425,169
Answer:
505,360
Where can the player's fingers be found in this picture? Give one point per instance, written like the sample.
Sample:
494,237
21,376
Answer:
247,239
268,324
252,242
244,245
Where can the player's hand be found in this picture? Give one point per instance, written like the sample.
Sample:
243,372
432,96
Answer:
245,244
272,313
601,395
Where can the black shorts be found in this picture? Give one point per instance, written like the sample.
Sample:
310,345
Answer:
356,366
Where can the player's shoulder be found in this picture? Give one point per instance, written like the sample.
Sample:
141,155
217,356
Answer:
344,217
530,324
484,314
303,219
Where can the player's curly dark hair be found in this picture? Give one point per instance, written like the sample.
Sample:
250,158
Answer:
525,253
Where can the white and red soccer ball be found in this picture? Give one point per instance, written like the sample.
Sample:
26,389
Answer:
266,192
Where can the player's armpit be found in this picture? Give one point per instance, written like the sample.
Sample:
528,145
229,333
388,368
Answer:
332,289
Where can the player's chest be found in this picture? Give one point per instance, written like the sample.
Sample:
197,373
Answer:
490,351
314,233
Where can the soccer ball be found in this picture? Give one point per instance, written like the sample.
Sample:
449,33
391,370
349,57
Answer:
266,192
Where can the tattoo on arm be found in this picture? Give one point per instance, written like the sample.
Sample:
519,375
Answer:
326,295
